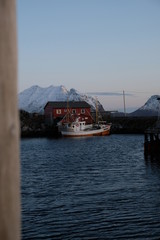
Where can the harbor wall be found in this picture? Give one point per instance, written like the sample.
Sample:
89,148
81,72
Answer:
33,125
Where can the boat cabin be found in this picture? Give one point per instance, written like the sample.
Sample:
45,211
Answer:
56,111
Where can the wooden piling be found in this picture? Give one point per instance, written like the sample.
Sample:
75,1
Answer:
152,141
9,125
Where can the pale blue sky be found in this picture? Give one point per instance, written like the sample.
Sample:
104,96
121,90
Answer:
92,46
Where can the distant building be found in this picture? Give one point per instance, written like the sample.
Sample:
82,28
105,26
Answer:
56,111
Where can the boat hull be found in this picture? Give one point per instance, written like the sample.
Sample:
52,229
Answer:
96,132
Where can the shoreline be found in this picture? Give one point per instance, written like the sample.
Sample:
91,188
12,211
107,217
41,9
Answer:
33,125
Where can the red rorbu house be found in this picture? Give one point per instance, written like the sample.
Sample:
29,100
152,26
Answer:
56,111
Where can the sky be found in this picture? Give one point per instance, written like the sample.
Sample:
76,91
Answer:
99,47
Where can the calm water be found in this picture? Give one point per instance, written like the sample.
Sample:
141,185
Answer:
89,188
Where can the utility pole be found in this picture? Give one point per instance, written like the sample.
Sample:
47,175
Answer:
124,103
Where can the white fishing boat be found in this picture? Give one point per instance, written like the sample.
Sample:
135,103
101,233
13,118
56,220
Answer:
79,128
73,125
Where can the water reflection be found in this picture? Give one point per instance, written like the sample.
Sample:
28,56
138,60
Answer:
152,161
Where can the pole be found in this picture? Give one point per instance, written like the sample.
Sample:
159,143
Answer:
9,125
96,110
124,103
67,109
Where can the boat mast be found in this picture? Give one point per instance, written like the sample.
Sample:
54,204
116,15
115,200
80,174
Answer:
96,111
67,110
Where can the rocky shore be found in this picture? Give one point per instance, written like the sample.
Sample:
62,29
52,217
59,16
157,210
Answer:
33,125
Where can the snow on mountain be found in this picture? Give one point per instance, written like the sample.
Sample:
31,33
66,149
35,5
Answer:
152,103
150,108
35,98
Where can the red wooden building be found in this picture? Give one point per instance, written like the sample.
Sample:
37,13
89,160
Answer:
56,111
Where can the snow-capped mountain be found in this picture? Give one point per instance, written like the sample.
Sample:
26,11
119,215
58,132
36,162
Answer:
150,108
35,98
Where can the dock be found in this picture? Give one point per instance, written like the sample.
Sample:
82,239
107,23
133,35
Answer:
152,139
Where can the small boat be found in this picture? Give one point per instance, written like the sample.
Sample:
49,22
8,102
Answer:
79,128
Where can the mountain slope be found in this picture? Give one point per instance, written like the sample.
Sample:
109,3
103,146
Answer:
35,98
150,108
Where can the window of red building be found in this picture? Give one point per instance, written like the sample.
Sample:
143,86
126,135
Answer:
58,111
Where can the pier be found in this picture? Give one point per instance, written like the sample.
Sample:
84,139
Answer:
152,140
152,137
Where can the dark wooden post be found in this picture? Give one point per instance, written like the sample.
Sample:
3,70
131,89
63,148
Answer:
9,125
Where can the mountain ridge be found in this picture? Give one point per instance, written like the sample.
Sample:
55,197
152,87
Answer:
34,99
150,108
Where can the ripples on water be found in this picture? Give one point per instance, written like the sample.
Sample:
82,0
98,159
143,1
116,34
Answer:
89,188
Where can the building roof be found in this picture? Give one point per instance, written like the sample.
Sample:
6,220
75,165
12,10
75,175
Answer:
70,104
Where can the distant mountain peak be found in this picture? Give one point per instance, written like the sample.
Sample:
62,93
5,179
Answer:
150,108
152,103
35,98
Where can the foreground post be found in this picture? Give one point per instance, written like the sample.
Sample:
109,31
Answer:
9,126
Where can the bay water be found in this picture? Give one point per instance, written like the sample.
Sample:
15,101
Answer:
89,188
